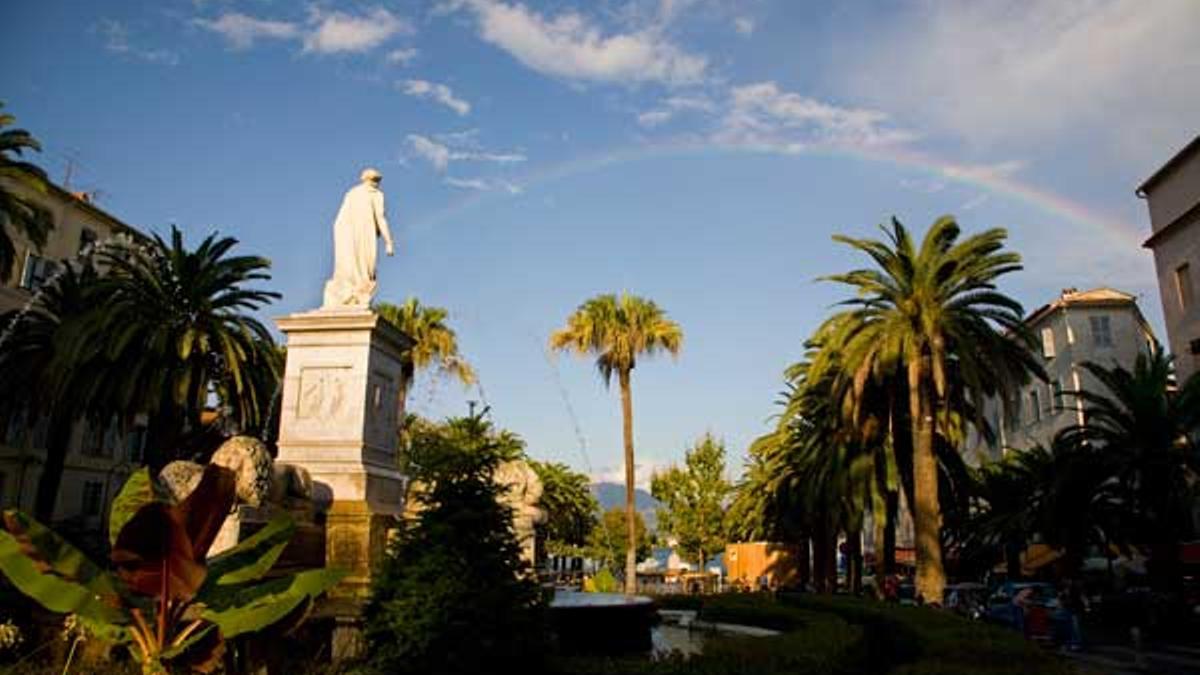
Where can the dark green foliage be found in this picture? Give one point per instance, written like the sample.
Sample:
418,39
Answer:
452,596
571,508
837,636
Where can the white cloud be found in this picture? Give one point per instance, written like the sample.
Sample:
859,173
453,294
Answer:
642,471
744,25
571,46
984,172
116,40
483,185
241,30
975,202
440,155
437,92
762,116
335,32
1112,72
401,56
653,118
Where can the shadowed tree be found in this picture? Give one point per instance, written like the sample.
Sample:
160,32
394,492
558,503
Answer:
44,378
435,344
1149,436
933,314
17,213
618,331
571,508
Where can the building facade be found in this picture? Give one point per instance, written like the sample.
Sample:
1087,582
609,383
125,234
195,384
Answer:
100,456
1103,326
1173,197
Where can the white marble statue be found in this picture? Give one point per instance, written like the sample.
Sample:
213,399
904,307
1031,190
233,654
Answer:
359,221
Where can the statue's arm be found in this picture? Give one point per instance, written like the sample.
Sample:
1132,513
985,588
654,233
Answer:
381,223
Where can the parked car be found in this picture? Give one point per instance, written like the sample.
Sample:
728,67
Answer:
1036,616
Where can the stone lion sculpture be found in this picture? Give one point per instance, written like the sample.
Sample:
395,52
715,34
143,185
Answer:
260,480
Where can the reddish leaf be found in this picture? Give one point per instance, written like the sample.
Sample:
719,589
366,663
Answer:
153,544
206,508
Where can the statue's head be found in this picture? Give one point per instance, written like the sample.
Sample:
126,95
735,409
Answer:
371,176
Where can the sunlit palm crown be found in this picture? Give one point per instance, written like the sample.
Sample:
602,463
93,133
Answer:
937,304
435,342
617,330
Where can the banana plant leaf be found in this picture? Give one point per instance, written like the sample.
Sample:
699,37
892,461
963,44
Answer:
139,490
154,555
248,608
58,576
254,556
205,509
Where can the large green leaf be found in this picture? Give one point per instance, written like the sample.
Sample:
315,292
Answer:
139,490
255,556
253,607
57,575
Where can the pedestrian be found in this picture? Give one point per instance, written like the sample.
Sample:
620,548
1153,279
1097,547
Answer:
1020,602
1075,604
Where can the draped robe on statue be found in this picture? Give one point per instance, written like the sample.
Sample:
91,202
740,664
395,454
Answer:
359,221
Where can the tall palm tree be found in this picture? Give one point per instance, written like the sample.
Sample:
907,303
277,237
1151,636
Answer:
617,331
176,328
21,214
435,343
927,312
1148,435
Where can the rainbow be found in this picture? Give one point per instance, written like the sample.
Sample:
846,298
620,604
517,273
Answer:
991,182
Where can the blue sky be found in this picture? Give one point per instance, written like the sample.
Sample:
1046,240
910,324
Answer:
697,152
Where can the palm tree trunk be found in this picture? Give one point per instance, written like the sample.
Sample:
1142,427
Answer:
805,562
931,577
630,522
58,442
889,532
854,560
819,555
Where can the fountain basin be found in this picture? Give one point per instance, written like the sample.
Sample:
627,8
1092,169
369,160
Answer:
602,623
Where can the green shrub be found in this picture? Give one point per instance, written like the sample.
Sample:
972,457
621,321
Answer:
603,582
451,596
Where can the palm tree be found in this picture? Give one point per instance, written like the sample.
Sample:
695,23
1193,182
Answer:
24,216
617,331
1148,436
175,328
435,343
572,509
933,314
43,377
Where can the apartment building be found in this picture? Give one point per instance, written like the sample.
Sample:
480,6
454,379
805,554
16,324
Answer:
1173,197
1103,326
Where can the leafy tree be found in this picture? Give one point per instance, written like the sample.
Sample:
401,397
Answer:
175,328
693,499
16,212
452,596
932,314
617,331
570,507
435,343
610,545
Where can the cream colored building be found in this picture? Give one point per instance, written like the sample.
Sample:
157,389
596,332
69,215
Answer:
1103,326
1173,196
99,459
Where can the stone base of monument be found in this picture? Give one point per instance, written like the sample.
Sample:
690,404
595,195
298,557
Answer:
339,420
306,550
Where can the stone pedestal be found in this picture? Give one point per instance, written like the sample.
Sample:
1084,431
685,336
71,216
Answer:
339,420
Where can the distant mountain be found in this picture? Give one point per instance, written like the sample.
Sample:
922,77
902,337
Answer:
612,495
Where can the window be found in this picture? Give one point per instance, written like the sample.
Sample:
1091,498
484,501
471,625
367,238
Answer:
1035,407
1101,332
87,239
1014,414
1059,402
1048,342
135,440
1183,285
91,497
38,270
3,484
93,441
